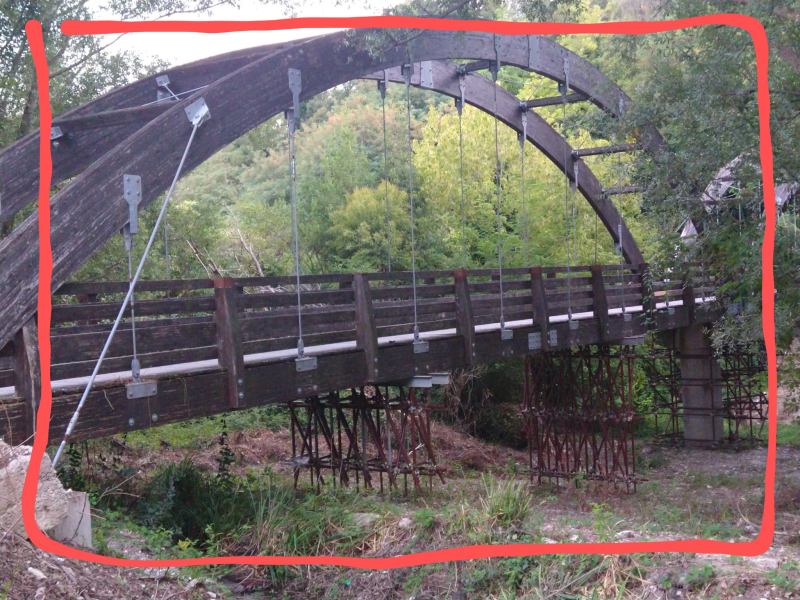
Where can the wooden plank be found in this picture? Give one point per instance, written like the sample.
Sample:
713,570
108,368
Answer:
599,302
117,364
27,374
66,313
287,299
366,330
553,101
613,149
75,288
229,339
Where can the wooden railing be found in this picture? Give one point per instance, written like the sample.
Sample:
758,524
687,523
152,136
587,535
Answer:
184,321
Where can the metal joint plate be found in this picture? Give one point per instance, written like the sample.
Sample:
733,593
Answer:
535,341
162,80
573,324
506,334
440,378
197,112
141,389
132,192
296,86
426,74
55,133
633,341
307,363
420,381
421,347
552,337
533,52
626,317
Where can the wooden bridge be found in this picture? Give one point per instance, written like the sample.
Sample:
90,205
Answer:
217,345
210,346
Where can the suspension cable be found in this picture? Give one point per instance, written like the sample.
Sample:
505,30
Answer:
135,368
407,71
564,90
166,248
619,229
73,421
382,88
497,175
462,80
291,120
522,138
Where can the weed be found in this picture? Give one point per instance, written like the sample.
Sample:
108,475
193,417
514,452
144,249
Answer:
700,577
506,501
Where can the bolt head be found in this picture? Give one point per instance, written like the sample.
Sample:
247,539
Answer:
240,381
131,422
241,395
154,417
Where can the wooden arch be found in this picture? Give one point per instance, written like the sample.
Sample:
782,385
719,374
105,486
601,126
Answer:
120,133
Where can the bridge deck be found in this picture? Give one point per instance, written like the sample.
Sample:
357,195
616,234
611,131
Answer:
370,343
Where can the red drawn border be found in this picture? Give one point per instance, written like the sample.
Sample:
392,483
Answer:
755,547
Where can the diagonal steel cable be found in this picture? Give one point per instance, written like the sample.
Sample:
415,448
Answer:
76,415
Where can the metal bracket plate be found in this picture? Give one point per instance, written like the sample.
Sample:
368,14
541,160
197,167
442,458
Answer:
421,347
633,341
506,334
552,337
535,341
426,74
132,192
573,324
162,80
296,86
55,133
306,363
533,52
420,381
670,310
626,317
197,112
440,378
141,389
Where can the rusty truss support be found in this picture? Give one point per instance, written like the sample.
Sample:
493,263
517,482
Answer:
359,437
662,369
735,376
578,412
745,398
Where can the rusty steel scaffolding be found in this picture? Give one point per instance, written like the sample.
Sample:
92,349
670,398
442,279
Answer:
579,415
663,373
362,435
737,376
746,404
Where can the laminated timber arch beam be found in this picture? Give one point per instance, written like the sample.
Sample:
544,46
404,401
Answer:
90,209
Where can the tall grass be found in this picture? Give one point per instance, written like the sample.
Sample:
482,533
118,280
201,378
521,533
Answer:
506,502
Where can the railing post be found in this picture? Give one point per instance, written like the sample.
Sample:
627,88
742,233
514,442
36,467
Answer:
465,324
648,295
27,374
599,300
366,331
687,295
541,316
229,339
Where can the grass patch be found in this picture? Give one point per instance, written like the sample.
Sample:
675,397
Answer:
196,433
788,433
